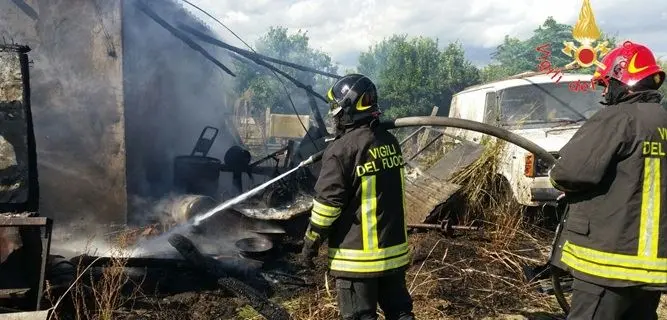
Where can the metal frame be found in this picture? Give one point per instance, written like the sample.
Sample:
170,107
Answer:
439,133
24,223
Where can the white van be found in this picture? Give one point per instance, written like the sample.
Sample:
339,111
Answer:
536,108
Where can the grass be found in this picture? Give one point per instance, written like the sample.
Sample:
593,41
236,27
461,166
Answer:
487,195
459,278
100,297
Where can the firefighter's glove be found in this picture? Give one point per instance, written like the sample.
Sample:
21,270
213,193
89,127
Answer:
308,252
311,245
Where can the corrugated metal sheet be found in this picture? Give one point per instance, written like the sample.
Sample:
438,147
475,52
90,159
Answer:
427,191
423,194
455,159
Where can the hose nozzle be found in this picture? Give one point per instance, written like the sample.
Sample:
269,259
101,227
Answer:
306,162
312,159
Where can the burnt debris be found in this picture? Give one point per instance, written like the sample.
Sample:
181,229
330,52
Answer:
227,278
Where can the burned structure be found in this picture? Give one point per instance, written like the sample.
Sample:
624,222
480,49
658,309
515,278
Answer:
24,237
116,96
14,157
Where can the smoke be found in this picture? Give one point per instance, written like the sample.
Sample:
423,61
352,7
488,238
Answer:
74,239
217,236
115,98
171,93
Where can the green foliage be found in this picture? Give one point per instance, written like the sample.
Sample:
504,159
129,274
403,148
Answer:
413,75
663,88
261,88
515,56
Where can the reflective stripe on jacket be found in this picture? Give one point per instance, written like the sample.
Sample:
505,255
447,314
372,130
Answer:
360,203
614,173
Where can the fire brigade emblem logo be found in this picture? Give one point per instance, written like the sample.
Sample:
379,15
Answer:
586,33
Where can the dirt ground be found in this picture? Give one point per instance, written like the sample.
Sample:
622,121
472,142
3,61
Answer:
467,276
462,277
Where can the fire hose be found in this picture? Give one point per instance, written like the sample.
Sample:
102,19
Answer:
497,132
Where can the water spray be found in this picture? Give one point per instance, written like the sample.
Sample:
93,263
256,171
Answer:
242,197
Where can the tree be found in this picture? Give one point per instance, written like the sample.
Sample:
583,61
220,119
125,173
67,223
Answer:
262,89
663,88
414,75
515,56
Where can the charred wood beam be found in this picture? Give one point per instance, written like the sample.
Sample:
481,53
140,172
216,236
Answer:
321,126
317,115
12,47
229,268
27,9
251,64
252,56
445,228
93,261
175,32
211,266
263,306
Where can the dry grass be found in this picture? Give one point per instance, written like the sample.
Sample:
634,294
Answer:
455,278
487,196
101,296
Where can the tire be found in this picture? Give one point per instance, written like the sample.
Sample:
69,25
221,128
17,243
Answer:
562,296
559,277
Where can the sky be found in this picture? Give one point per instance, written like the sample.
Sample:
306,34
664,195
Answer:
345,28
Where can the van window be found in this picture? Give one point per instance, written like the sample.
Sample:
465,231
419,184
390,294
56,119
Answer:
546,103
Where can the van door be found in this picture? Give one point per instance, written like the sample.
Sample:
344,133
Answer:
491,109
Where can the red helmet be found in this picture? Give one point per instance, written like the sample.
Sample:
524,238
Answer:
630,63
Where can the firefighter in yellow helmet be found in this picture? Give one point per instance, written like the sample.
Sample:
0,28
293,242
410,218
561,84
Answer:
359,207
614,175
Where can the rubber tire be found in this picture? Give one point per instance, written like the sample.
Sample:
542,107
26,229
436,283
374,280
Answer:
556,276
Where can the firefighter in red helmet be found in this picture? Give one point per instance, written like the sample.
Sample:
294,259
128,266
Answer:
613,173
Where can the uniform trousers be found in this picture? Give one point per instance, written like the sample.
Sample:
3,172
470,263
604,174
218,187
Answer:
358,298
594,302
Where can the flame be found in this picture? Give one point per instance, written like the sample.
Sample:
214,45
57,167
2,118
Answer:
586,30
